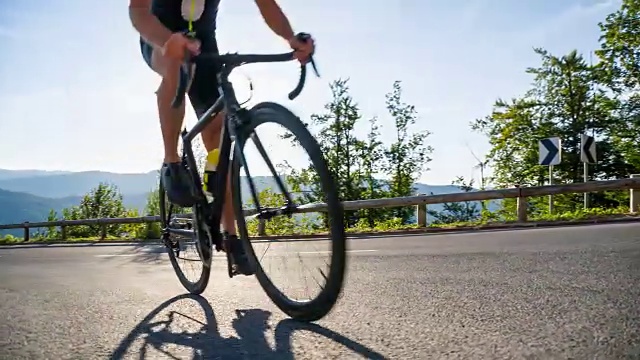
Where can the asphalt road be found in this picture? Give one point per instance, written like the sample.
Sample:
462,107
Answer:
544,293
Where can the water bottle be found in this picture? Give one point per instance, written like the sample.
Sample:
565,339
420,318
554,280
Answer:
209,173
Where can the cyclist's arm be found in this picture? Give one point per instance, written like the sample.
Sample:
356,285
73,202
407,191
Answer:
149,27
275,18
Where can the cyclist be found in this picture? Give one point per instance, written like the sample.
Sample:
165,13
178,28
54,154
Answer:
161,24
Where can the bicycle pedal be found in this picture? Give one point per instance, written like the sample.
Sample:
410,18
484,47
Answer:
234,269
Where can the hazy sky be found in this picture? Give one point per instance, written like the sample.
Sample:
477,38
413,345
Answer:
76,95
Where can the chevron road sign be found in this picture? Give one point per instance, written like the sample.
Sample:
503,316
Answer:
549,151
587,149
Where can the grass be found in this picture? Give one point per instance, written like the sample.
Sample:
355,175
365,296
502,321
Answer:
394,225
9,239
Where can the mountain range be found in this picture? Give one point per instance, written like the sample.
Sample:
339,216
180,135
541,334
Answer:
29,195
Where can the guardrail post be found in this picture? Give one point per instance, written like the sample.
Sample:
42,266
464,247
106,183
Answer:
63,232
521,206
103,231
262,227
421,215
634,198
26,231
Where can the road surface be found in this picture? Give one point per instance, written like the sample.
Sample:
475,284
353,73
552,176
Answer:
543,293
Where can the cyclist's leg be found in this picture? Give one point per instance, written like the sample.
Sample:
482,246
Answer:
203,94
175,178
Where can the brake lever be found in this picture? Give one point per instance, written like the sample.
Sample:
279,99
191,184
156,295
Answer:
304,37
313,64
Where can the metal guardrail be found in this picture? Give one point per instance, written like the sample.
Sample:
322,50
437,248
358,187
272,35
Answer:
519,193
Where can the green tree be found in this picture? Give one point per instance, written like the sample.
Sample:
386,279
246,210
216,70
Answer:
408,155
574,104
341,148
565,101
152,208
52,232
372,160
625,135
620,47
454,212
104,201
620,70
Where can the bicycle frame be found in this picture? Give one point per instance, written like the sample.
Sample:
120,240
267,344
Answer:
226,101
232,121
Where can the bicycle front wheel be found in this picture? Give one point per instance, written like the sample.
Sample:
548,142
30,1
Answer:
317,307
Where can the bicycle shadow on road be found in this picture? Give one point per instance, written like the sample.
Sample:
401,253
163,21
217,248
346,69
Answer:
285,329
156,334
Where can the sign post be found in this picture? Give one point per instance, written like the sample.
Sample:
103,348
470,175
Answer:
588,156
550,154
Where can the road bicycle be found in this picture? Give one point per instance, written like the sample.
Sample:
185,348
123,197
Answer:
238,126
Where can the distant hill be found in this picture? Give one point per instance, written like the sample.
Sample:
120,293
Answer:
79,183
17,207
12,174
28,195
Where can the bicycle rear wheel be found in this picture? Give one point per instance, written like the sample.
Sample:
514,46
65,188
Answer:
177,245
322,304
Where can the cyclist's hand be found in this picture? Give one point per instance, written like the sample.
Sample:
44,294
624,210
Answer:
303,49
177,45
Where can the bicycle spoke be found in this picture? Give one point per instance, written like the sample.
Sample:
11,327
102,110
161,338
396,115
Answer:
263,153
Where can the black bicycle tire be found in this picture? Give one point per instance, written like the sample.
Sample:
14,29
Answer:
195,288
325,301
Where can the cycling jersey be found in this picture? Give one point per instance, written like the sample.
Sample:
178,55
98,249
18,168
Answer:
174,14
